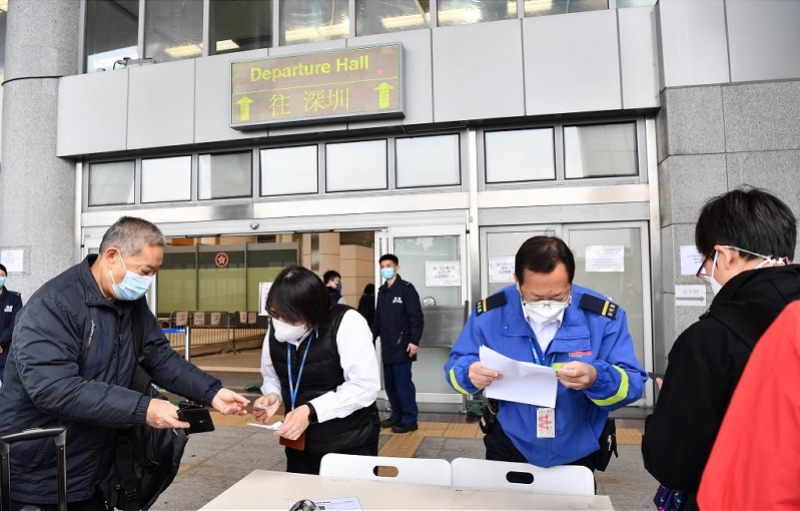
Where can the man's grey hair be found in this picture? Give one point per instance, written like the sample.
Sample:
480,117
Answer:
130,235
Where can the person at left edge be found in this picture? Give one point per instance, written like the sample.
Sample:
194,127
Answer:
10,304
318,360
546,319
71,361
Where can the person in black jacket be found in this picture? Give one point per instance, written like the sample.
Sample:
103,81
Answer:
10,304
748,238
71,362
398,322
317,360
333,281
366,304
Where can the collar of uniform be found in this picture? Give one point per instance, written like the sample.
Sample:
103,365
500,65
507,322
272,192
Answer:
93,294
573,322
385,285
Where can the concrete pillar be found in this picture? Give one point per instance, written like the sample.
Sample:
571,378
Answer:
37,189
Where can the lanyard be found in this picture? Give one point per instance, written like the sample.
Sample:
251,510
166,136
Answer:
535,350
292,386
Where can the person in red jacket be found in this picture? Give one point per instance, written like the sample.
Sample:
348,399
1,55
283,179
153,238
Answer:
755,462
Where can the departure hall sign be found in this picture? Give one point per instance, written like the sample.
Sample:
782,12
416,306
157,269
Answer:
352,83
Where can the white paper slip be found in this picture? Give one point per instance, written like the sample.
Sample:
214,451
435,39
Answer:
342,504
271,427
523,382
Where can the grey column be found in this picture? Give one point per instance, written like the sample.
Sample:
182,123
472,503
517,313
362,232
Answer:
37,189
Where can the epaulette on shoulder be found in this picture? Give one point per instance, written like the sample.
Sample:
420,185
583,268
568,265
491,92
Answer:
599,306
490,303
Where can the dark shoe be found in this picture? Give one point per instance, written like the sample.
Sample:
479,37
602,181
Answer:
404,428
387,423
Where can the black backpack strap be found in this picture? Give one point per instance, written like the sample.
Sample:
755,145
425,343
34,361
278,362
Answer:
124,463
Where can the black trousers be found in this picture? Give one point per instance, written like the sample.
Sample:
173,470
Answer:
500,448
301,462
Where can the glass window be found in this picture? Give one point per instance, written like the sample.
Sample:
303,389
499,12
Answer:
3,16
173,29
520,155
289,170
428,161
601,150
624,4
111,183
464,12
167,179
548,7
305,21
224,175
356,166
381,16
112,33
239,25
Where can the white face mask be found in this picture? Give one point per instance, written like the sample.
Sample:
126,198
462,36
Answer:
716,286
285,332
545,311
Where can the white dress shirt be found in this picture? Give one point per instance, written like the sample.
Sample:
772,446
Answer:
359,364
544,332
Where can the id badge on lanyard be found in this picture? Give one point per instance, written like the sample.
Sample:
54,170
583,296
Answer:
545,417
300,443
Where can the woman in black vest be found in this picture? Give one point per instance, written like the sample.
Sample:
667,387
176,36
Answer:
318,361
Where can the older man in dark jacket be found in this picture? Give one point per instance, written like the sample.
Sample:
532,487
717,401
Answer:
72,360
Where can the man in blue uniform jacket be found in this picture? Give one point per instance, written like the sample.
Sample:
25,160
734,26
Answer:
10,304
545,319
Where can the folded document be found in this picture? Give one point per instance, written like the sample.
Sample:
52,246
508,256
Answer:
523,382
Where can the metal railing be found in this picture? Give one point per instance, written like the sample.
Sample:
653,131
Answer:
201,332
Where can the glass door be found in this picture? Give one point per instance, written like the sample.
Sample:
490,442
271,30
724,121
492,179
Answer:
434,260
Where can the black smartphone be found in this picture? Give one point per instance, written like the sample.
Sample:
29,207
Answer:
653,376
197,416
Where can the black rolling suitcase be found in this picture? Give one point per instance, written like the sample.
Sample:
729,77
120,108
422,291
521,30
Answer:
60,434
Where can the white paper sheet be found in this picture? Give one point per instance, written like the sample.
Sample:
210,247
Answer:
690,260
341,504
263,292
442,273
523,382
13,260
501,270
605,258
690,296
271,427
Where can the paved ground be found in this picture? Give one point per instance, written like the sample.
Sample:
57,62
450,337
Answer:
215,461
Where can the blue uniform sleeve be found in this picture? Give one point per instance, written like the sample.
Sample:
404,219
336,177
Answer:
463,354
620,378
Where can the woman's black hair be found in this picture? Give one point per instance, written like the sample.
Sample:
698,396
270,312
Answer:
750,219
298,294
369,289
541,254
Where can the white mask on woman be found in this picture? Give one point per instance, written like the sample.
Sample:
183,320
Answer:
286,332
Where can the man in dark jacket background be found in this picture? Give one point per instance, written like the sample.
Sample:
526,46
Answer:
10,304
72,360
398,322
748,238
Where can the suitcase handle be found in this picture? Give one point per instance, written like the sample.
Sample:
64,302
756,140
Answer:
34,434
60,434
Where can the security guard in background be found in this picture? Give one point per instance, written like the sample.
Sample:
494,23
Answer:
10,304
547,320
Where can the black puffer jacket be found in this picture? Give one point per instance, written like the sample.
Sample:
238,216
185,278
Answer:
70,363
705,365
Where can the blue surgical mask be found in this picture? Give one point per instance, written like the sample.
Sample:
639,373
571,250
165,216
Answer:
2,281
387,273
339,287
133,285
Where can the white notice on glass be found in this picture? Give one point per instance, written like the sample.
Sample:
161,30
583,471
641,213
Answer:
263,292
442,273
501,270
12,260
605,258
690,260
342,504
690,296
523,382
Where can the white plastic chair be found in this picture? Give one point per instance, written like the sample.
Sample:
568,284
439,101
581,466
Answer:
493,475
409,470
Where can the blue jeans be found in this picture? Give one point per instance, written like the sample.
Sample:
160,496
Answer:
401,392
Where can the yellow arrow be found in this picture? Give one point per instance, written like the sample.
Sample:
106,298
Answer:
244,108
383,95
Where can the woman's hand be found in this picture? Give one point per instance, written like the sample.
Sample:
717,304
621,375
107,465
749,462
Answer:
266,406
295,423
